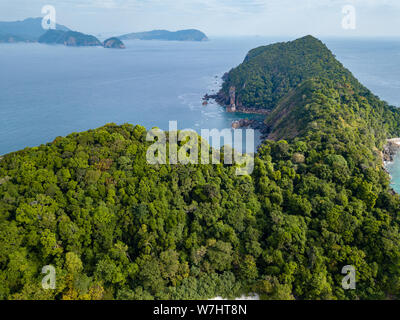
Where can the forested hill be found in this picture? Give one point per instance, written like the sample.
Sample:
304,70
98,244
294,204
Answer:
115,227
269,72
323,104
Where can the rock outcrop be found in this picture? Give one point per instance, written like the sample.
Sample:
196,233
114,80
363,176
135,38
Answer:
232,103
242,123
232,100
391,149
248,123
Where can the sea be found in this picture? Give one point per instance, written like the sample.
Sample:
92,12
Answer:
48,91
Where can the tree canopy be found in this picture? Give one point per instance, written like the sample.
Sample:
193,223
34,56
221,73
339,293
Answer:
115,227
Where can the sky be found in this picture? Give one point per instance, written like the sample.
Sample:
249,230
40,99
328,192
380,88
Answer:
373,18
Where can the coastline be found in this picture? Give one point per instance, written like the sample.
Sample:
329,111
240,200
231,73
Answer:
233,107
249,110
390,150
243,122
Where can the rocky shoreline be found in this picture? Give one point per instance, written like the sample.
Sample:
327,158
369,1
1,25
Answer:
247,123
391,148
232,107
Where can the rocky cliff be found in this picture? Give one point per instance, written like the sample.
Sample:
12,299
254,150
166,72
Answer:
391,149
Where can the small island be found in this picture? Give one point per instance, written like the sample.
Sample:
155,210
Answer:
181,35
69,38
114,43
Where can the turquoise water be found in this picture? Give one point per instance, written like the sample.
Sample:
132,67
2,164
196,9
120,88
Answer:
50,91
394,170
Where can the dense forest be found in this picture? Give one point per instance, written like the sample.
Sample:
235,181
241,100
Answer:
116,227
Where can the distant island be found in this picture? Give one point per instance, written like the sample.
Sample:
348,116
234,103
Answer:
114,43
31,30
78,39
28,30
69,38
181,35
